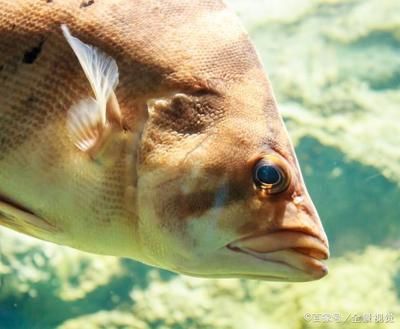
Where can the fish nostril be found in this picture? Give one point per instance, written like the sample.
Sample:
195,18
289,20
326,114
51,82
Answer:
298,200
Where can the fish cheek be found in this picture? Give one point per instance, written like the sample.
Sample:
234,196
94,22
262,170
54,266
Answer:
263,218
165,209
171,180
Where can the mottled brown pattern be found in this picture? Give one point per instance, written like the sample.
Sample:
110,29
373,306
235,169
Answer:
40,79
221,193
172,163
187,115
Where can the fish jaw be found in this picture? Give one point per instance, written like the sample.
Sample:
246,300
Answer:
288,246
291,243
297,250
283,265
293,250
281,240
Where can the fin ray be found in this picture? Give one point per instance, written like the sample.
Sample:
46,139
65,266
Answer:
100,69
83,123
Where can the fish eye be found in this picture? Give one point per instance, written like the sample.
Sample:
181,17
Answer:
270,176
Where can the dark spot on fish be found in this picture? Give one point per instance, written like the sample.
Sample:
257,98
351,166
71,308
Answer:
204,92
188,115
49,1
86,3
31,55
1,67
185,206
32,99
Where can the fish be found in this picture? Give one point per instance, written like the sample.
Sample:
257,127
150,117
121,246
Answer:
149,130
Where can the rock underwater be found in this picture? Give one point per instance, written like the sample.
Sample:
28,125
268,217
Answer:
98,292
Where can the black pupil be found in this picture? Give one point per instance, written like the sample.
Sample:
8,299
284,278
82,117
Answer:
268,174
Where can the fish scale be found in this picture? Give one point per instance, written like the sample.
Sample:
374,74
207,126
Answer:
168,179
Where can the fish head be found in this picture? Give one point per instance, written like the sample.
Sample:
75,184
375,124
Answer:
220,191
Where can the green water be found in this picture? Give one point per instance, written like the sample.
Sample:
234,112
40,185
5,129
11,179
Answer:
335,68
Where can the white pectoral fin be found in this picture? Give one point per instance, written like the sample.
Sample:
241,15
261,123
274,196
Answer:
89,120
84,124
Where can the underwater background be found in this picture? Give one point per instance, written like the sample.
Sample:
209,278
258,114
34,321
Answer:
335,69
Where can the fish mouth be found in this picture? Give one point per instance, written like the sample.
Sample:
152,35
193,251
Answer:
297,250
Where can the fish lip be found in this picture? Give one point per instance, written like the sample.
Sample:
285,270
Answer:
297,240
296,249
315,268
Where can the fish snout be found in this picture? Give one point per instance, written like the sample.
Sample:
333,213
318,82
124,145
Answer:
301,216
296,239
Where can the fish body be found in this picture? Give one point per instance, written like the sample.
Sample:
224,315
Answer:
181,161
